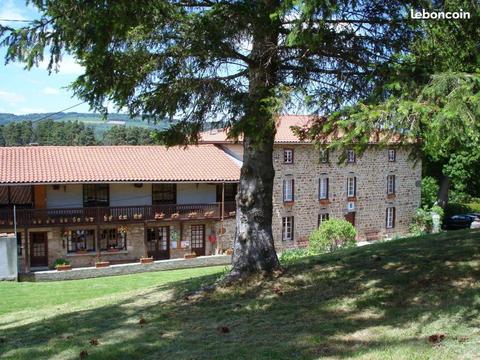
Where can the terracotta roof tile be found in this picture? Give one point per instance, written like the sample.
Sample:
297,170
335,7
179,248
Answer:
67,164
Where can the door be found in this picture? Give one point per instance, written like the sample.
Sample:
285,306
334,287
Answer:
158,242
198,239
350,217
38,249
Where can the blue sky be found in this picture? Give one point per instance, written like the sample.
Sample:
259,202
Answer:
34,91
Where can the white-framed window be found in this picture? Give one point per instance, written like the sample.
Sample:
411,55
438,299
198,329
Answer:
351,186
323,156
288,189
323,188
390,184
287,228
350,156
288,156
390,218
322,217
392,155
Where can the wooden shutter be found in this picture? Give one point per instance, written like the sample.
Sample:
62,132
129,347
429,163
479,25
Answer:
293,229
284,190
327,185
355,186
293,189
393,217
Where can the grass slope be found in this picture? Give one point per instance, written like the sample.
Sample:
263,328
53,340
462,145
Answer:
376,302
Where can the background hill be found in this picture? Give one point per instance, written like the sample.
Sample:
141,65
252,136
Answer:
96,121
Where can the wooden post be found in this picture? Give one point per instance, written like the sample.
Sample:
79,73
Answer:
220,238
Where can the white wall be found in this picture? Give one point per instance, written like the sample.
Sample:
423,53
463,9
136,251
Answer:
67,196
196,193
129,195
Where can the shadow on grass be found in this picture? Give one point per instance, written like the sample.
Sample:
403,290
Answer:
319,308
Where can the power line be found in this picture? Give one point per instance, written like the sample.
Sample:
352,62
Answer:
58,112
17,20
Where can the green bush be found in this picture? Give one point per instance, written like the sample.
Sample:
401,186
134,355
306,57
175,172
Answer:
430,190
294,254
60,261
332,234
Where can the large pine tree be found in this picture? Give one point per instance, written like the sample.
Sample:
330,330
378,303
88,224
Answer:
236,62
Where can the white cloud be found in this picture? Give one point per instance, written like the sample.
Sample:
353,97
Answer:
9,10
50,91
11,97
28,110
68,66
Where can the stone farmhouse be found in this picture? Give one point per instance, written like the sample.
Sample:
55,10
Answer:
121,203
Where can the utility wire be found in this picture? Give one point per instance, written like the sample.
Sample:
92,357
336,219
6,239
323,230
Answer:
17,20
58,112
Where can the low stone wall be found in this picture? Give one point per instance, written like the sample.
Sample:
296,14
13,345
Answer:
134,268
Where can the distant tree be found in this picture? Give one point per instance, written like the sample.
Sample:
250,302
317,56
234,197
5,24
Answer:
239,62
18,133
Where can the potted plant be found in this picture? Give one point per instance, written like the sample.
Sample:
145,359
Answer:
191,255
102,264
229,251
208,214
159,216
62,265
192,215
146,260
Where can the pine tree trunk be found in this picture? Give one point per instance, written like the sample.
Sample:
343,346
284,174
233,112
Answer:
254,250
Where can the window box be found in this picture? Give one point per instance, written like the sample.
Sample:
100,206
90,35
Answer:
352,198
64,267
390,196
288,203
102,264
146,260
324,202
159,216
191,255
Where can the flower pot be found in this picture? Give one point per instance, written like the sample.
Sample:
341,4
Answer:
146,260
113,250
190,256
64,267
229,252
102,264
192,215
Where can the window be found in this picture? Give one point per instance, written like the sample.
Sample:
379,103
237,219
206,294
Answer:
390,184
197,236
113,239
287,228
351,186
19,244
21,196
350,156
323,188
288,189
80,240
323,155
392,155
390,218
96,195
164,194
323,217
230,192
288,156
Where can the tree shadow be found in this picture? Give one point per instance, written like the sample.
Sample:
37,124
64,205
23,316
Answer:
322,307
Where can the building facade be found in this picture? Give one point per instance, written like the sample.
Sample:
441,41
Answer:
121,203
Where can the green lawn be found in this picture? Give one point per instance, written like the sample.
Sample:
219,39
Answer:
376,302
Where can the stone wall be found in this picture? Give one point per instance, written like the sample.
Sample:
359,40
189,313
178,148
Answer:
124,269
371,201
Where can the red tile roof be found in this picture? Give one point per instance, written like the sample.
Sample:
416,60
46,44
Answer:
284,133
70,164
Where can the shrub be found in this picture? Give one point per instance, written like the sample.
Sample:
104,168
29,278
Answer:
430,190
291,255
60,261
422,222
333,234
